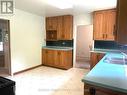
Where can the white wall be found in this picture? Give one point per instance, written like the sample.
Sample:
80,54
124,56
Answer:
27,37
80,19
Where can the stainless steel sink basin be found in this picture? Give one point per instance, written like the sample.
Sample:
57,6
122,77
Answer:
120,61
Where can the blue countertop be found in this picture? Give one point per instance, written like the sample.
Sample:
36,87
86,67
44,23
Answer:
104,50
108,75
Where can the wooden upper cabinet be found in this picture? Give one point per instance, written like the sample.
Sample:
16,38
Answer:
104,24
121,27
51,23
67,33
110,24
59,27
98,25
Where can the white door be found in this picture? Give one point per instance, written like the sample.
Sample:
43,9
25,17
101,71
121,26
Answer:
84,41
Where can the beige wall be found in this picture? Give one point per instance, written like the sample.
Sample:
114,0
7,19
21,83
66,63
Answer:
27,38
81,19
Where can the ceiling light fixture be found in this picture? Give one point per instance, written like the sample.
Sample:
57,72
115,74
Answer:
61,4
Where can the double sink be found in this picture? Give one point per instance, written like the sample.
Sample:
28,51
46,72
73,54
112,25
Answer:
113,60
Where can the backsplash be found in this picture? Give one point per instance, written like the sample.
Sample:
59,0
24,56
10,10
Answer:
66,43
109,45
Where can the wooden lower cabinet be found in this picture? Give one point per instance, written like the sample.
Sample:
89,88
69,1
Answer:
95,58
57,58
48,57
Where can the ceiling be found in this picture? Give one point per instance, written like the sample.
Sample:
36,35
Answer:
43,8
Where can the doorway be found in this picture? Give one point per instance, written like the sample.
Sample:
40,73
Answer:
5,61
84,42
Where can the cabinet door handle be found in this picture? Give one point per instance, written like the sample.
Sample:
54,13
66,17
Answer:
103,36
106,35
62,36
114,30
46,51
58,53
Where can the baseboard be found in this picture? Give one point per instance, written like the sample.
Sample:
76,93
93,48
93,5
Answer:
27,69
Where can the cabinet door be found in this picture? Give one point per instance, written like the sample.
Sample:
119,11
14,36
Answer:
57,58
121,36
51,23
95,58
100,56
98,26
51,35
64,59
67,33
54,23
51,57
110,20
48,57
43,56
60,28
48,23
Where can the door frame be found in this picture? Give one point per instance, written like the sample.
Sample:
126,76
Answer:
8,59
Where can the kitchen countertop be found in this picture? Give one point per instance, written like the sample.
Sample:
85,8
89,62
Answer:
108,75
57,48
105,50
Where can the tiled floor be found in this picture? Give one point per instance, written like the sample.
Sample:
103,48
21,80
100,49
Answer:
50,81
82,64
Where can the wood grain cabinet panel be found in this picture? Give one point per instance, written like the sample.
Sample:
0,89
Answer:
98,25
57,58
121,27
48,57
110,24
104,25
65,58
51,23
62,27
95,58
67,33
